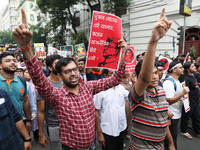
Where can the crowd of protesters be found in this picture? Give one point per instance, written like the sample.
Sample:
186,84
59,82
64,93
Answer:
69,100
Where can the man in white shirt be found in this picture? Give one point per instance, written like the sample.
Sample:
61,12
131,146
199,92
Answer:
110,115
174,93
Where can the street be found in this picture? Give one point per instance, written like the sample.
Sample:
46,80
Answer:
183,143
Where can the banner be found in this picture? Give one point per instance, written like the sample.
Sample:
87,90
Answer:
62,53
106,31
39,50
185,99
130,59
2,46
80,50
166,61
68,49
12,47
52,50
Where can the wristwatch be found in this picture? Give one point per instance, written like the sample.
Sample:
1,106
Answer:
29,140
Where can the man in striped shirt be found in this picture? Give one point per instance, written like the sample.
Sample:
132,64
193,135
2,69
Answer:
148,102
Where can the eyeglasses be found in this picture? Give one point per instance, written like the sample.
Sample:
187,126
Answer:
69,71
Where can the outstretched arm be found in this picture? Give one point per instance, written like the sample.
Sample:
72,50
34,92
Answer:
23,37
159,30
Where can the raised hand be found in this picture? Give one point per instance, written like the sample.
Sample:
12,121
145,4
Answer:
160,27
22,34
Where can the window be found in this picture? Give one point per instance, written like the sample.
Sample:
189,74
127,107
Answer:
31,17
31,5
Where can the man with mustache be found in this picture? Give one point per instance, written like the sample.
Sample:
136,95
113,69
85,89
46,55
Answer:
13,85
44,108
73,103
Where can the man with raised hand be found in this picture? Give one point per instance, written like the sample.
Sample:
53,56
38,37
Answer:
148,102
73,103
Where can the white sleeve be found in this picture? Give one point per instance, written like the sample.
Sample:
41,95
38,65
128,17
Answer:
168,87
98,99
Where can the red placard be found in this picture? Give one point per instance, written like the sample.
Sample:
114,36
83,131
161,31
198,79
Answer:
103,51
130,59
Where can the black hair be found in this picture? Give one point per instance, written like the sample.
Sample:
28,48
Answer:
197,65
105,71
63,62
171,65
43,60
159,63
128,49
139,66
143,53
186,66
51,58
4,54
82,59
138,56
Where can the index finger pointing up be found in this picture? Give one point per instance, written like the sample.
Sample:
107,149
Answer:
162,13
23,17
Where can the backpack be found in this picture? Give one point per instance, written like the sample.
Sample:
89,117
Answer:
23,80
172,80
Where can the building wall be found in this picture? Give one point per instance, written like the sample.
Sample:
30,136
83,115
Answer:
145,13
27,5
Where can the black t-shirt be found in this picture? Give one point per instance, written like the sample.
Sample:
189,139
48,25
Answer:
192,83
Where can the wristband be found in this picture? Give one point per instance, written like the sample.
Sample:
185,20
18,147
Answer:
29,140
25,49
99,132
28,120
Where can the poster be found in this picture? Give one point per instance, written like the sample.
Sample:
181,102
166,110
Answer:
80,50
130,59
62,53
106,31
52,50
185,99
166,61
39,50
68,49
2,46
12,47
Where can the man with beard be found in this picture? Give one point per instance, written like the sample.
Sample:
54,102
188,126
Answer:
81,67
51,118
174,93
73,103
13,85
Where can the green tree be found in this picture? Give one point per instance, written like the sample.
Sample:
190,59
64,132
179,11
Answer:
6,36
117,7
80,38
192,51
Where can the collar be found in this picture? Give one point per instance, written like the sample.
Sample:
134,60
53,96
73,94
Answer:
66,91
3,79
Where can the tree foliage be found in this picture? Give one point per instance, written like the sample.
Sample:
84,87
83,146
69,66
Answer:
116,7
6,36
62,14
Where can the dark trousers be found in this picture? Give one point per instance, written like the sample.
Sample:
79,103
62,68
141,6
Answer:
194,113
114,143
174,132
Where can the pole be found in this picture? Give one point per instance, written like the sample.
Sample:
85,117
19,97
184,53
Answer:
183,49
173,46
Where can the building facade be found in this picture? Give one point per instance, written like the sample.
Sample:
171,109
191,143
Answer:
140,17
9,15
28,6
